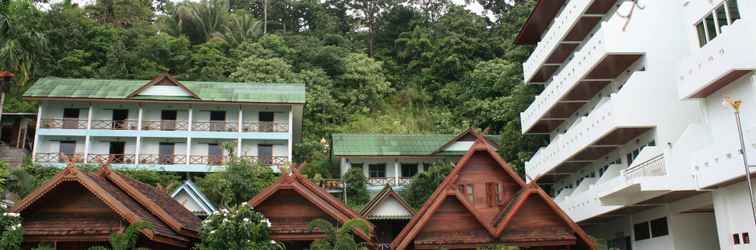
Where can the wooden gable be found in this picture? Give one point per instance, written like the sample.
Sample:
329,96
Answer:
164,85
292,202
488,204
76,206
387,205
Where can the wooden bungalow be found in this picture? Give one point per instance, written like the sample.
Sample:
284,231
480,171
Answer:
293,201
483,202
78,210
389,213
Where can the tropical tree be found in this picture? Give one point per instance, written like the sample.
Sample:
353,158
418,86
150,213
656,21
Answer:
239,227
338,238
422,185
269,70
21,43
241,181
127,239
241,28
356,187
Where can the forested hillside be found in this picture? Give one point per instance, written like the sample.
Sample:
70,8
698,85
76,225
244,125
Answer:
395,66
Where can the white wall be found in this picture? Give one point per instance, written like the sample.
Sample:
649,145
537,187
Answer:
733,214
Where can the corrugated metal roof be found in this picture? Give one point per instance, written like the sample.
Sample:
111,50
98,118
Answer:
392,144
207,91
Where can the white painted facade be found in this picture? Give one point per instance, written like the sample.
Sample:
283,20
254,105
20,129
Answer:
684,164
142,131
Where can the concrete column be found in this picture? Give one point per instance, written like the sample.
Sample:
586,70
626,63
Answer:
291,133
239,147
420,167
36,135
239,139
396,172
188,149
89,117
86,146
189,121
140,114
138,147
241,118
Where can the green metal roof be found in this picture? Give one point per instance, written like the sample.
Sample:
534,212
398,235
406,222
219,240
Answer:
393,144
207,91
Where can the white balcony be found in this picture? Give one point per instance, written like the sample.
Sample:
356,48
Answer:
584,202
570,27
615,121
723,60
645,179
605,56
720,162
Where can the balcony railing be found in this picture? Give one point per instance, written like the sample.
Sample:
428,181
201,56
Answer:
55,157
265,127
165,125
112,158
162,159
382,181
651,167
115,124
267,160
208,159
67,123
217,126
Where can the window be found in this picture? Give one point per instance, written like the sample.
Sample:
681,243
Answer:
746,238
736,239
641,231
67,148
711,25
409,170
493,194
659,227
470,192
265,153
377,170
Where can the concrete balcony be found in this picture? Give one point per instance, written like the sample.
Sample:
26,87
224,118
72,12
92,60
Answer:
584,202
720,62
720,163
645,179
605,56
570,27
615,121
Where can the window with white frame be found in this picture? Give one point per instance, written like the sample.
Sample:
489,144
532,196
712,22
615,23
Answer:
711,25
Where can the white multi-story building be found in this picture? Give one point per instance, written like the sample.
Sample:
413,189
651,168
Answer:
165,124
641,152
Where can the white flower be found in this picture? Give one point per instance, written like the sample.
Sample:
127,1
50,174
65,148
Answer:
267,222
11,214
273,242
244,203
212,232
246,219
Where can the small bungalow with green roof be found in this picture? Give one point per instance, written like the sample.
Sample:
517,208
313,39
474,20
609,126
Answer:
165,124
392,159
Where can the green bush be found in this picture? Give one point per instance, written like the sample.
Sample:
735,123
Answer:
237,228
423,184
338,238
11,231
241,181
356,187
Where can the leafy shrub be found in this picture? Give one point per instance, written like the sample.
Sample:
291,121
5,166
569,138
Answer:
356,187
338,238
241,181
237,228
423,184
11,231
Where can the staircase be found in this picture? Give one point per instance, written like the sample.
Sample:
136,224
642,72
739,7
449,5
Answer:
11,155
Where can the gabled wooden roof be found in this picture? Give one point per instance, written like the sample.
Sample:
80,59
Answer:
132,200
317,196
382,197
496,227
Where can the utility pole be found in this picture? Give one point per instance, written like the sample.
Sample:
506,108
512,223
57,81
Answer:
735,105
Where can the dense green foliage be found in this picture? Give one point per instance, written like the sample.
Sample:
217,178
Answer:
127,239
369,65
356,187
4,174
423,184
11,231
338,237
241,181
239,227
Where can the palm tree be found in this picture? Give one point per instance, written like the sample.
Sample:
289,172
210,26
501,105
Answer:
207,17
19,44
241,28
338,238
